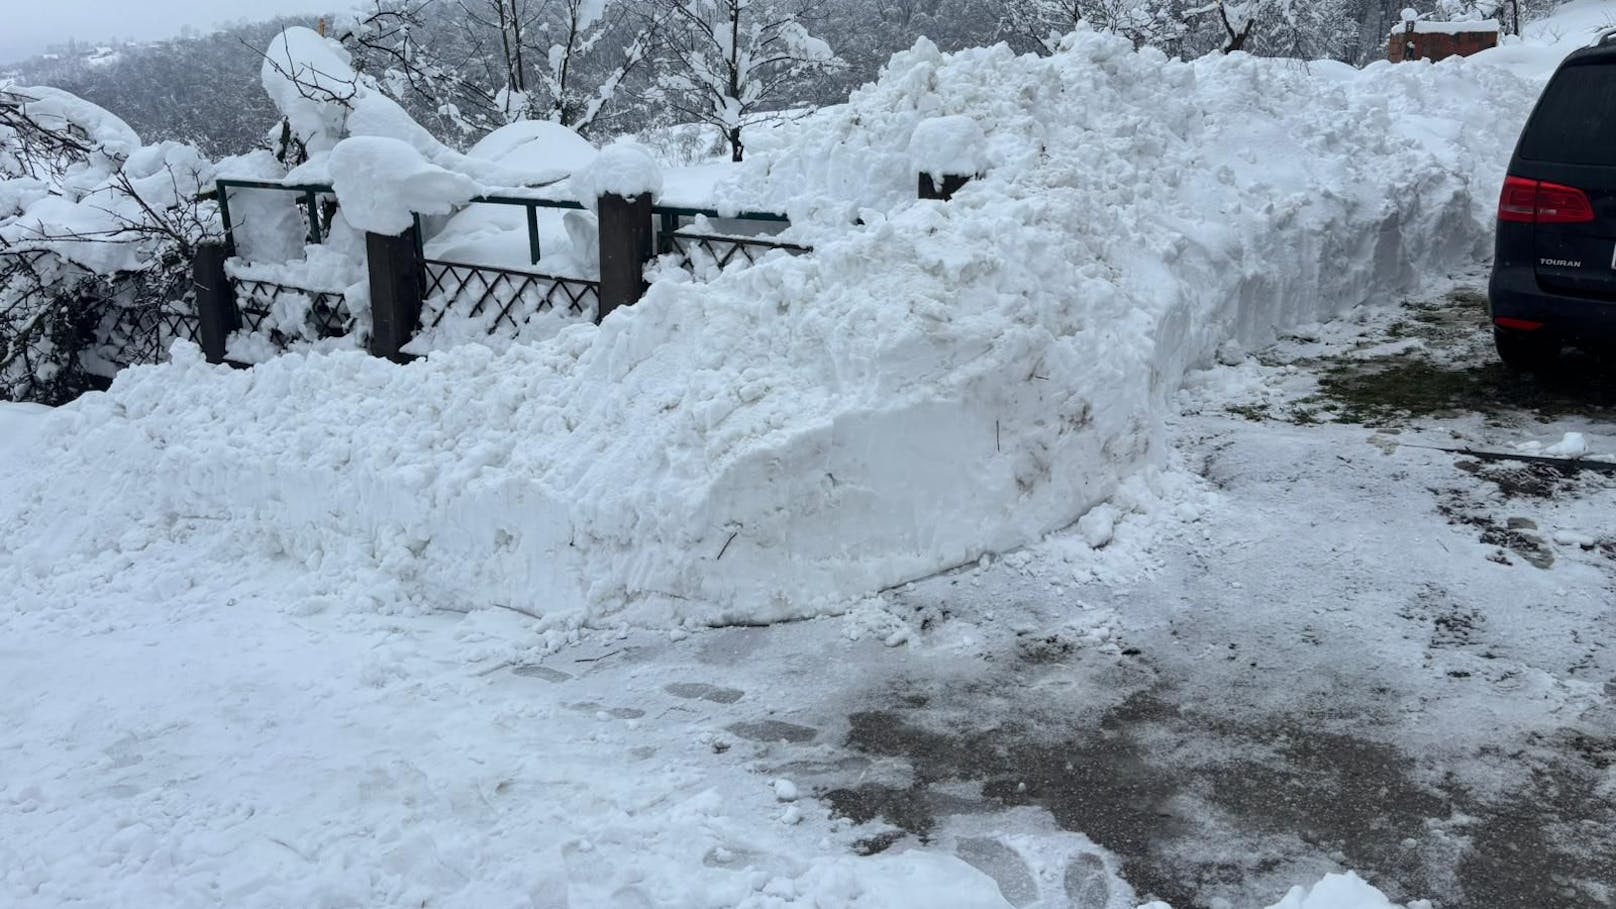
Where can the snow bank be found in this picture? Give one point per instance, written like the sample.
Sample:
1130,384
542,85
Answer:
940,382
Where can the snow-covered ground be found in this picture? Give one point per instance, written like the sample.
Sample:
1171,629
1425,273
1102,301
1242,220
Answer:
1301,650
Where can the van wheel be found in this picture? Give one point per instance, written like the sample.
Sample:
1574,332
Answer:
1526,352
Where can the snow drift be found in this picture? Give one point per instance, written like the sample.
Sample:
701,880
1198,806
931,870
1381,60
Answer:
938,381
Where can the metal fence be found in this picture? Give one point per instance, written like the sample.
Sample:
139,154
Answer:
751,241
275,308
482,298
513,297
125,320
138,335
317,215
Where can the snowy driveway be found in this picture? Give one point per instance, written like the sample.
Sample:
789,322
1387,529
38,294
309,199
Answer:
1314,646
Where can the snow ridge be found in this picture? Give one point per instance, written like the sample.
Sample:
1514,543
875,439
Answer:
942,381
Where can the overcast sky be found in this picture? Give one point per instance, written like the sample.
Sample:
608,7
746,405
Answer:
27,26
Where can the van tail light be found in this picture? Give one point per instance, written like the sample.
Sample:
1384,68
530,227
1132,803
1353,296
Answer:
1517,324
1536,202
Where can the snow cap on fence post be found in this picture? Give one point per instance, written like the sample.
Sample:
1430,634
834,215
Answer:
621,186
624,169
947,152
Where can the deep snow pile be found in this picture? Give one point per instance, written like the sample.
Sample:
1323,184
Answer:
936,383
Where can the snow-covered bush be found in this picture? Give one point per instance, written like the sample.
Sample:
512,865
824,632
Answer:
96,237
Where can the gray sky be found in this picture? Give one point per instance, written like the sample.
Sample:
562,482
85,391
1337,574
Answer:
27,26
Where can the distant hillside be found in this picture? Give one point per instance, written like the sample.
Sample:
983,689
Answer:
202,89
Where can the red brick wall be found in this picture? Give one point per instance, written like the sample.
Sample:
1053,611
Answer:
1436,47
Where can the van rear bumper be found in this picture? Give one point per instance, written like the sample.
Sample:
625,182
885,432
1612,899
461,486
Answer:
1513,293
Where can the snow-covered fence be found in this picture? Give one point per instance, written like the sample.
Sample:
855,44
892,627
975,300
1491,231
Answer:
713,238
309,195
419,301
264,304
506,296
114,325
134,334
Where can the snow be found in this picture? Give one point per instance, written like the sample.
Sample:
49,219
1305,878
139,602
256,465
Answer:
383,183
1337,891
18,422
312,82
535,145
1570,445
254,566
947,146
91,220
944,382
55,109
1547,41
624,168
1434,27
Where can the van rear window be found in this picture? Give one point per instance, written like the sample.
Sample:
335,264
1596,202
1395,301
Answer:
1575,121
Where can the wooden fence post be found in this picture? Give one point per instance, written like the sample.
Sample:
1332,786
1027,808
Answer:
625,249
929,189
216,312
397,286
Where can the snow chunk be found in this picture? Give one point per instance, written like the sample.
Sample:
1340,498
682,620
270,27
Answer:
948,147
623,168
1571,445
383,182
1336,891
785,790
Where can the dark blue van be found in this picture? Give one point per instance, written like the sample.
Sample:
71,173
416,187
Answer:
1554,269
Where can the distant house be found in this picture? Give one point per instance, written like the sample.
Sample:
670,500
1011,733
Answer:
1418,39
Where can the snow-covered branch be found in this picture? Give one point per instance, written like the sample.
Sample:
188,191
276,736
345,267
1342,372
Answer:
731,63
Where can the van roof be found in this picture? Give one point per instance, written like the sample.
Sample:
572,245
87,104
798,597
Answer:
1602,51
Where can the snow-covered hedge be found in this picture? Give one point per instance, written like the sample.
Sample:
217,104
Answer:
96,232
937,382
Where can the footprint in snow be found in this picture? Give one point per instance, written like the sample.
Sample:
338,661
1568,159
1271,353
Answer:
1008,869
773,731
1088,883
705,692
541,672
620,713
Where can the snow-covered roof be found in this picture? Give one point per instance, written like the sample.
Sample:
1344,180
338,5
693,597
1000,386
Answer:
1449,28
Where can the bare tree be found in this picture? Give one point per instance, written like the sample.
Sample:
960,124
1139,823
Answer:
731,63
580,27
1042,23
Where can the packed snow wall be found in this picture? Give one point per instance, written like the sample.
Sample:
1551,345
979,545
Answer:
937,381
